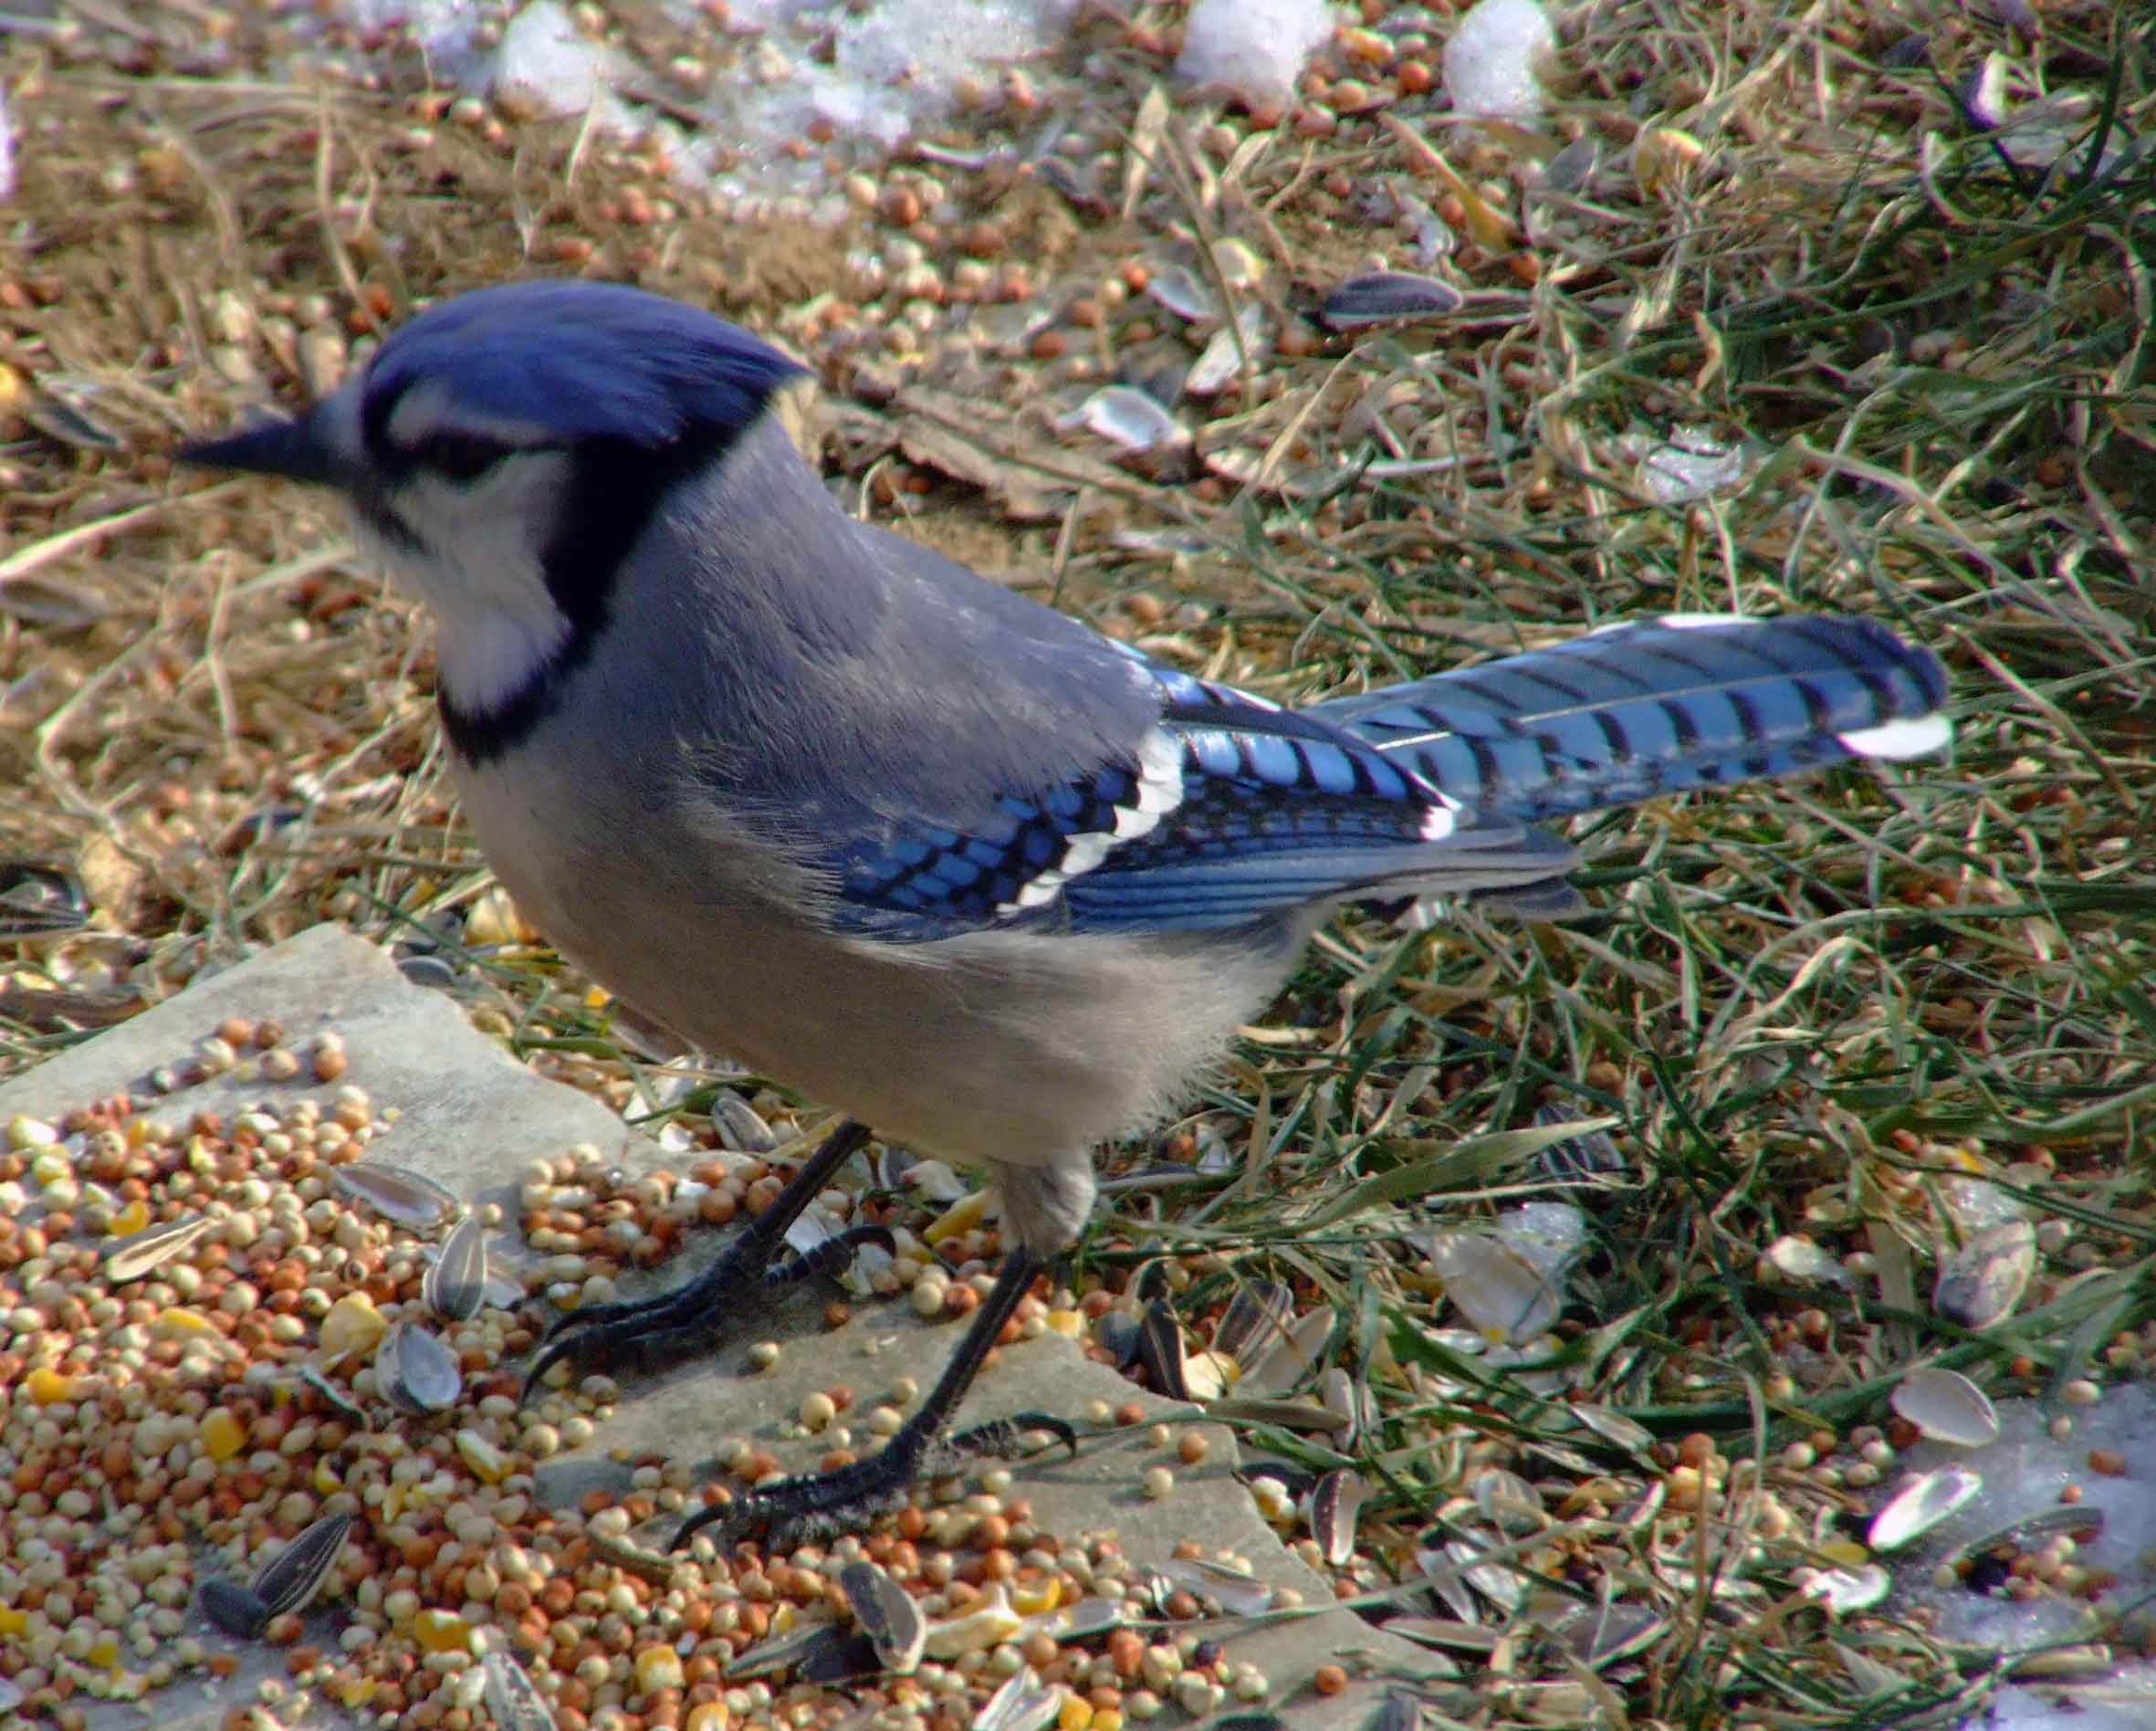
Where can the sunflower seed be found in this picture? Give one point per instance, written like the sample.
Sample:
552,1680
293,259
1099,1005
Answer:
1283,1368
136,1255
1387,297
1181,293
1160,1350
37,901
1334,1505
290,1580
341,1402
1351,1401
415,1371
397,1194
740,1127
796,1646
1128,418
1256,1320
1982,1281
1613,1426
1920,1505
1508,1502
887,1614
1571,166
1848,1589
235,1610
1608,1632
1495,1288
1222,356
1235,1591
1024,1703
1946,1405
1119,1333
1802,1260
455,1287
513,1700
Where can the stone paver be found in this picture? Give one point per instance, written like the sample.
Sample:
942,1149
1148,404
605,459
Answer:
473,1117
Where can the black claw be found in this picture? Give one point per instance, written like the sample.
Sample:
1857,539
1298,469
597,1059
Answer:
692,1314
843,1500
831,1257
1004,1439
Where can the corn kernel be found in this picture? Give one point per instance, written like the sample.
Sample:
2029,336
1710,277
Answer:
47,1385
1029,1599
658,1668
1074,1715
488,1462
441,1632
1067,1322
176,1322
961,1216
354,1324
222,1435
708,1715
131,1219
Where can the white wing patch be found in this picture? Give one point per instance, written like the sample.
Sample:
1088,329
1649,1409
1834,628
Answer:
1160,791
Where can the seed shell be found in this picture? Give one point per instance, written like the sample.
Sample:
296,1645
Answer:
1160,1350
397,1194
238,1610
1334,1505
1848,1589
1384,296
1946,1405
133,1257
740,1126
1982,1281
887,1613
1024,1703
455,1287
415,1371
1496,1288
513,1700
1255,1320
289,1581
1921,1504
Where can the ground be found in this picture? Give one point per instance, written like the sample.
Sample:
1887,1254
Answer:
1806,1009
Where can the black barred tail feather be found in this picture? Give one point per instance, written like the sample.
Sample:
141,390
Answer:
1657,706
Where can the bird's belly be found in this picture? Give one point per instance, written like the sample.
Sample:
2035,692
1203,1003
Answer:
998,1047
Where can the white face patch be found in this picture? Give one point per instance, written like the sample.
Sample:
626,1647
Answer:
477,563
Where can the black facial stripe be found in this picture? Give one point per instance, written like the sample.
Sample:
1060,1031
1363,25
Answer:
613,490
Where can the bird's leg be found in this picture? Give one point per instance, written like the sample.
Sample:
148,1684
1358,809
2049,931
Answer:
693,1314
850,1496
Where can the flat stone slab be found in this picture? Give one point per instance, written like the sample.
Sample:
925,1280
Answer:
474,1119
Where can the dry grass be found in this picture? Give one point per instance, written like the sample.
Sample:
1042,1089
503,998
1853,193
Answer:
1802,1006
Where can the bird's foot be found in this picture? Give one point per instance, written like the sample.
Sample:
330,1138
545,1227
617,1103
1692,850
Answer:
816,1506
691,1316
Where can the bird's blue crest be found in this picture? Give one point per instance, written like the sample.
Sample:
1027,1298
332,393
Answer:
590,359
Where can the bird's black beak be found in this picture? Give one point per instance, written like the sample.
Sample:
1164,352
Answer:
294,449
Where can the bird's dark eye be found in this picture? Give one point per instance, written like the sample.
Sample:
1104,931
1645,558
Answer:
460,457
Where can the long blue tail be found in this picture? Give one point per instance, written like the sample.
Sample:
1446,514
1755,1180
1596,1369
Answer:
1657,707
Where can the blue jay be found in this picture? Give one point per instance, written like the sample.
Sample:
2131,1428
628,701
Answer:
909,842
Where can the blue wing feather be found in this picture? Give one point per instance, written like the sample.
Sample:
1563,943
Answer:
1255,809
1232,809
